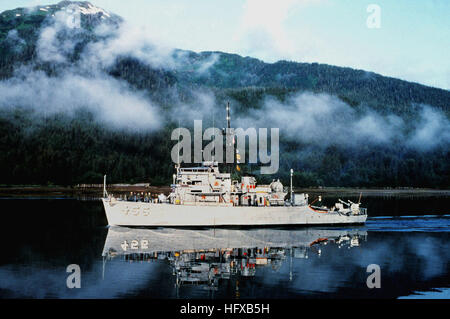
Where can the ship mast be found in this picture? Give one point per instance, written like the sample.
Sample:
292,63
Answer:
178,151
214,141
229,138
228,116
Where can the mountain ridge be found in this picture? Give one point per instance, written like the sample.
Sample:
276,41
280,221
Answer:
252,72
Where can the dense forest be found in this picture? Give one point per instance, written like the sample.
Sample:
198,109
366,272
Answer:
67,148
67,151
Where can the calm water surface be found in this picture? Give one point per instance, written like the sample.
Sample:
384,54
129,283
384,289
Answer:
407,237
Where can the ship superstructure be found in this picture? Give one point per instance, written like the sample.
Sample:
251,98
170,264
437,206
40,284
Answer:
206,185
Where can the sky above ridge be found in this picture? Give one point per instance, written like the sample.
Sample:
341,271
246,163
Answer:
406,39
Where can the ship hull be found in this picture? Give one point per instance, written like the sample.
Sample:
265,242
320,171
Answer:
124,213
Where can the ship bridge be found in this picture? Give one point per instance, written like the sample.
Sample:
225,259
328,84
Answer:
206,185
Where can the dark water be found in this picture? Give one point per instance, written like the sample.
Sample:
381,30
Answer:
407,237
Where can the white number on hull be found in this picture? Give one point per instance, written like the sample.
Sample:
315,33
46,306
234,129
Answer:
124,245
126,210
137,210
134,244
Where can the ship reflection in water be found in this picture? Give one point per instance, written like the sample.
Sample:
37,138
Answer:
210,257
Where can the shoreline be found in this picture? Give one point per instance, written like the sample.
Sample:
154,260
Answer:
28,191
14,191
376,191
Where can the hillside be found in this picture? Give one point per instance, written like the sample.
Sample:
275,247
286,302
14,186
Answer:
93,96
354,86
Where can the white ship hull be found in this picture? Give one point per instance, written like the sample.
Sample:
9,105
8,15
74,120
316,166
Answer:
125,213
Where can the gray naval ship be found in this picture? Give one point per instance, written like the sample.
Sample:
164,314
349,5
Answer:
204,196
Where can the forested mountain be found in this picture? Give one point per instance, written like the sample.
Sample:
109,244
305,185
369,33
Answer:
82,94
